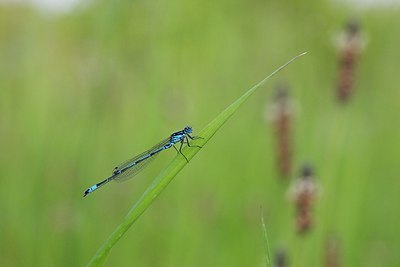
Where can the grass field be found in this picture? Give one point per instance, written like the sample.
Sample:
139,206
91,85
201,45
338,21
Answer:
84,91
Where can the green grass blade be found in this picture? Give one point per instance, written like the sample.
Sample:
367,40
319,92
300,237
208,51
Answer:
166,176
266,243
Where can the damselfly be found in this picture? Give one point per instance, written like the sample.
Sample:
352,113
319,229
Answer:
133,166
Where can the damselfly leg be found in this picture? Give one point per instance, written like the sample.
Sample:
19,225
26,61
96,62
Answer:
179,151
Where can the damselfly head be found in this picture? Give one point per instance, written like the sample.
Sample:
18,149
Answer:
188,130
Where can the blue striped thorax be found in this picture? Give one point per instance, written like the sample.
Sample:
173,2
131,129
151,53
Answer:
179,136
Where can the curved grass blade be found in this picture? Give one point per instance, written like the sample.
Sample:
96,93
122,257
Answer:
176,165
266,243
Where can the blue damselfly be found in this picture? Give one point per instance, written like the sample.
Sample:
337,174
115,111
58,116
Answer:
133,166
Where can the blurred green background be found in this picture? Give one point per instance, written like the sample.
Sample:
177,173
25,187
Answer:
83,90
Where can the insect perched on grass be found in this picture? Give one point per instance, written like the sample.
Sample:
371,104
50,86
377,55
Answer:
133,166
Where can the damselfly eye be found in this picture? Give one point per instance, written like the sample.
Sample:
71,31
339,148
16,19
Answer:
188,129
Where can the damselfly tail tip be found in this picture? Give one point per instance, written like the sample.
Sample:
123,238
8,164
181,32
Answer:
86,193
